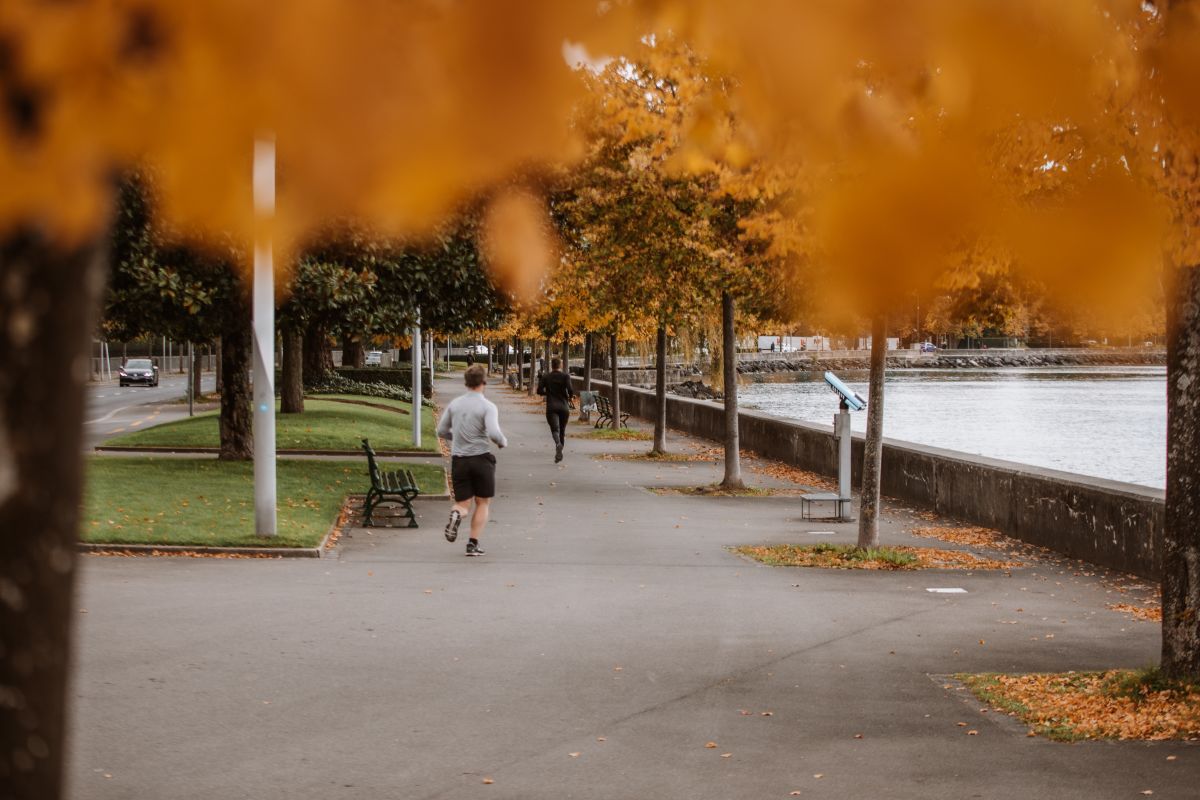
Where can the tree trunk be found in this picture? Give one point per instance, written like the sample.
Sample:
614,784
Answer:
660,393
533,358
616,389
237,443
218,369
1181,531
520,366
504,365
317,359
733,453
48,308
352,353
587,362
566,349
868,511
291,372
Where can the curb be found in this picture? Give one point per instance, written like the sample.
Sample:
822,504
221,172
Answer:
217,450
151,549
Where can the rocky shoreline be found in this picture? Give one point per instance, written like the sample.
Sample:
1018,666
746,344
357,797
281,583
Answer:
979,359
976,359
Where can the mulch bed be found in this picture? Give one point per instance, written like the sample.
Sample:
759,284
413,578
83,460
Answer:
888,558
1116,704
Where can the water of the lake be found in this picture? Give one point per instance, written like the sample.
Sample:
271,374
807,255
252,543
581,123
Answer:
1109,422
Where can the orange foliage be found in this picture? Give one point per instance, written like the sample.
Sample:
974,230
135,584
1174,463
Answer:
917,129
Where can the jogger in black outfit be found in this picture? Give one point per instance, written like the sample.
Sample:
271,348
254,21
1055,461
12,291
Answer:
555,386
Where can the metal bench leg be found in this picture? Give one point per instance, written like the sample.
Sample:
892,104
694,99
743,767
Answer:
412,515
369,507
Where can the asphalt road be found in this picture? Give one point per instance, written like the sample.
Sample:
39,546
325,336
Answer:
113,410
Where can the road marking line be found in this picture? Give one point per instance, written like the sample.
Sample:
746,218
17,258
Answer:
108,416
947,590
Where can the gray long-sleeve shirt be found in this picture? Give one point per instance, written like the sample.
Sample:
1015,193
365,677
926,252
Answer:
469,422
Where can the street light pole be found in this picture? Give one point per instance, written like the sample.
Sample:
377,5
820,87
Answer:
264,340
416,382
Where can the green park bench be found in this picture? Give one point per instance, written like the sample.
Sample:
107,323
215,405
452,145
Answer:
398,485
604,406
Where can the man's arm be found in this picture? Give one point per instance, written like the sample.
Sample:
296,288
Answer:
542,384
443,426
491,421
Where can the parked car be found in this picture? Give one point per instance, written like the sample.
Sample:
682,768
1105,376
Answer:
928,347
477,350
138,370
374,359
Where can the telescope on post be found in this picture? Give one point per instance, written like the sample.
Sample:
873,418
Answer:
842,501
850,398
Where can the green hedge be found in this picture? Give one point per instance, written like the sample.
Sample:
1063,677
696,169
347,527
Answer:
392,376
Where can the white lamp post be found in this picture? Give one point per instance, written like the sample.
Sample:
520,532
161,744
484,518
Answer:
264,340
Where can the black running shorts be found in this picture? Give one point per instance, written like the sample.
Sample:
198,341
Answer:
473,476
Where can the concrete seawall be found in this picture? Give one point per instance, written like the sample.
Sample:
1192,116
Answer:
1110,523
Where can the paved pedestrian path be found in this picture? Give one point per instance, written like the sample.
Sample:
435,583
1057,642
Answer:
608,637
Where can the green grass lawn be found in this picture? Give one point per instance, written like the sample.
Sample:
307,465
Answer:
324,425
362,398
205,502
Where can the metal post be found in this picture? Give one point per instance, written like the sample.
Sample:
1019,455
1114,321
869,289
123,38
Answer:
841,426
416,382
432,359
264,340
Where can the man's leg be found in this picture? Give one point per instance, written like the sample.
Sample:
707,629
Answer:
457,512
479,521
460,482
552,421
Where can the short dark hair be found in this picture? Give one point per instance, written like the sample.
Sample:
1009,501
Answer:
555,363
475,375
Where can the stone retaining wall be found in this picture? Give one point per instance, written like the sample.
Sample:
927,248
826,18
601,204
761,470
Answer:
1114,524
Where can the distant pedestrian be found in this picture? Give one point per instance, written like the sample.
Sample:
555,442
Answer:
555,386
471,422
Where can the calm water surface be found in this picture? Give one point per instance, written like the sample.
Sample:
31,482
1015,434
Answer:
1109,422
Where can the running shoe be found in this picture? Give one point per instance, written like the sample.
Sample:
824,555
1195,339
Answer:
557,453
475,550
452,525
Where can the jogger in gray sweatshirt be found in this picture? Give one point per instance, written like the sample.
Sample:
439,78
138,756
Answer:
471,423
